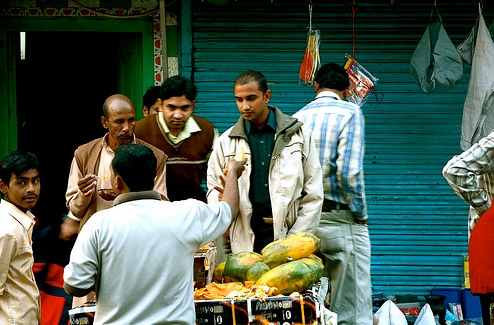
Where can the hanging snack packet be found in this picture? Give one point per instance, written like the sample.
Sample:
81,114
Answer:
311,61
362,82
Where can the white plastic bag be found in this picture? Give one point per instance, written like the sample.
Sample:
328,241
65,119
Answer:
390,314
426,317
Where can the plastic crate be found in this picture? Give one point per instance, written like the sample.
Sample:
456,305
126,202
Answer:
470,305
452,295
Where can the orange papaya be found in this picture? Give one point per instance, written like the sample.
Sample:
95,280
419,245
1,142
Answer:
290,248
294,276
237,264
256,270
218,272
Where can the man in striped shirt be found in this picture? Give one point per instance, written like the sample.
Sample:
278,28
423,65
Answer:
338,131
471,176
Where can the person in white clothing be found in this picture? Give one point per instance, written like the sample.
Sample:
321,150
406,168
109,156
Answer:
138,255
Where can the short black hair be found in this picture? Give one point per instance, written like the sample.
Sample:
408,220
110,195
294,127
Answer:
15,163
136,164
151,96
333,76
177,86
252,76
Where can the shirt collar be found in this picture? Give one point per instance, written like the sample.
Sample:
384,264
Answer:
328,93
271,122
132,196
190,127
25,219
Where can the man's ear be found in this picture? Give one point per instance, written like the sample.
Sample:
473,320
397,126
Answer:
104,122
119,183
193,105
267,96
317,87
3,187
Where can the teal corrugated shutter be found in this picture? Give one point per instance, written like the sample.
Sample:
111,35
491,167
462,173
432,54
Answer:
418,226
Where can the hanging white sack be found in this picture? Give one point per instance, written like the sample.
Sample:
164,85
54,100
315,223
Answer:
478,109
467,47
389,314
436,64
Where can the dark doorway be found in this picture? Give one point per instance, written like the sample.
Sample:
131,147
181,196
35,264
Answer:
61,87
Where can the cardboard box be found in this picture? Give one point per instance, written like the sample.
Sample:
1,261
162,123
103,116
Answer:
204,264
409,308
83,314
275,310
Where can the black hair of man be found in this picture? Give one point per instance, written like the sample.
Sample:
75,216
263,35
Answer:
136,164
253,76
151,96
15,163
178,86
332,76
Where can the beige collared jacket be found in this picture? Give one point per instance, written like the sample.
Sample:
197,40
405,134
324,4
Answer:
295,180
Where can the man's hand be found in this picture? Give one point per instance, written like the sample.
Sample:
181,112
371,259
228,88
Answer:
236,167
68,229
107,194
230,192
87,184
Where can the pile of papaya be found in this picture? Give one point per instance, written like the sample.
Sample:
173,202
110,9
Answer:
284,266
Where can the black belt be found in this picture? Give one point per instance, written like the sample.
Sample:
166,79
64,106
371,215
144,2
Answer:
328,206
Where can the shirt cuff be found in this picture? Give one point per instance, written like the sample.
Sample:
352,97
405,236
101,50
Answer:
73,217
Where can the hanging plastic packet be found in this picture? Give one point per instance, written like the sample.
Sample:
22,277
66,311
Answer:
362,82
311,61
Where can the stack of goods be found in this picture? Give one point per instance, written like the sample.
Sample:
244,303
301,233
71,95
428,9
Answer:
278,285
204,264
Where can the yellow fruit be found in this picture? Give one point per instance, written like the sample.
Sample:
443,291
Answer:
218,272
239,154
237,264
290,248
295,276
256,270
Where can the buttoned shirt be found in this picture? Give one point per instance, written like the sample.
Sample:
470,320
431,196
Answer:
338,132
19,295
261,143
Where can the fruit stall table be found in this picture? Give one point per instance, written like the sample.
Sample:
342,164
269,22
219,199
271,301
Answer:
306,308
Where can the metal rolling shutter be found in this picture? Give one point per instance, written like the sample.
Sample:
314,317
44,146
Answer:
418,226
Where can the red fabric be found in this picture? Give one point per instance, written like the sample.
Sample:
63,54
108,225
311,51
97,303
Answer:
481,256
54,277
53,307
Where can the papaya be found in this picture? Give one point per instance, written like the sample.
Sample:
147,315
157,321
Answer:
237,264
294,276
315,263
256,270
218,272
290,248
